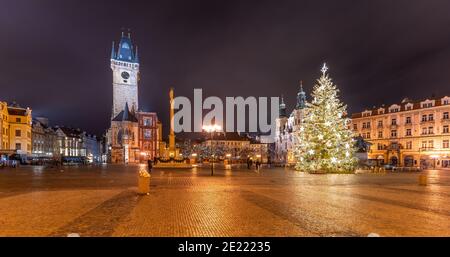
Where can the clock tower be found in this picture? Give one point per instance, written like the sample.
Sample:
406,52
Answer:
125,68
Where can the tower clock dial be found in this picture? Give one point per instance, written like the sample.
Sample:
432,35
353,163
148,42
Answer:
125,75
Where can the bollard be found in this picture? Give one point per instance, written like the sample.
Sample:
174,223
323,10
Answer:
144,182
423,180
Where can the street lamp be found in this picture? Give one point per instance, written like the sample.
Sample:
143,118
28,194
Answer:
211,129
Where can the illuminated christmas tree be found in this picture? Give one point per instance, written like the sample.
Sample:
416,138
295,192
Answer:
324,141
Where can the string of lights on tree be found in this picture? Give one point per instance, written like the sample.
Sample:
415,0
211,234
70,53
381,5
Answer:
324,142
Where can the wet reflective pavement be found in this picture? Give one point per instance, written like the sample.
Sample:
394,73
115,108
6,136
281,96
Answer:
102,201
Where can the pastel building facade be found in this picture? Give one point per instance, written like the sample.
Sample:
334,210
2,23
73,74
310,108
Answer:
15,128
410,133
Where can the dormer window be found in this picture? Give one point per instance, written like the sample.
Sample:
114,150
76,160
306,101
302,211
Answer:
409,106
381,111
445,100
394,108
366,113
427,103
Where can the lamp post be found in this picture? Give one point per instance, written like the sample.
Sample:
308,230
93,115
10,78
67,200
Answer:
211,129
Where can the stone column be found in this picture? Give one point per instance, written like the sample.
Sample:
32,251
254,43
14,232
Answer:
171,134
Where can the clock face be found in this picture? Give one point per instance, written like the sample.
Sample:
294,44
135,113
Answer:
125,75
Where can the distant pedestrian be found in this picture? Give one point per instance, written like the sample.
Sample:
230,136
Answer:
258,164
249,163
150,165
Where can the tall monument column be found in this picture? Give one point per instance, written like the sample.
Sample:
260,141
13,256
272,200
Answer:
172,150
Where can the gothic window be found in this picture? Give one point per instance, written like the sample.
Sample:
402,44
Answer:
119,136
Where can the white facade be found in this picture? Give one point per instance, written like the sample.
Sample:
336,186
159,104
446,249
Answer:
125,85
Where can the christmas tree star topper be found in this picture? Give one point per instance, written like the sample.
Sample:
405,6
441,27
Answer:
324,68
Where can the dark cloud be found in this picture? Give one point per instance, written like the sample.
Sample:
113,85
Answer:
55,54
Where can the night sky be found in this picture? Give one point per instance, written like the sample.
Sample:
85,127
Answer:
55,55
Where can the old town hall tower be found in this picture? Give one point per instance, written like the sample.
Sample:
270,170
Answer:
125,68
123,136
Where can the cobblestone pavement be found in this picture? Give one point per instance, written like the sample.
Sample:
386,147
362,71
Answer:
102,201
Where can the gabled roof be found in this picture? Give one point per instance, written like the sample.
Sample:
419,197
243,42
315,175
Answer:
35,122
125,115
70,132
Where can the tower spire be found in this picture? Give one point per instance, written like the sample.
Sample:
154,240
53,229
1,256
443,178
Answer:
282,111
136,56
301,97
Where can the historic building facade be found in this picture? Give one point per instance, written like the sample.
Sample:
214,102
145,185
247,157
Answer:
286,127
4,138
235,147
75,145
44,139
133,135
407,134
16,128
148,138
124,137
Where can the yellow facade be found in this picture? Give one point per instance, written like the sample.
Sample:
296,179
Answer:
16,128
4,126
414,134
